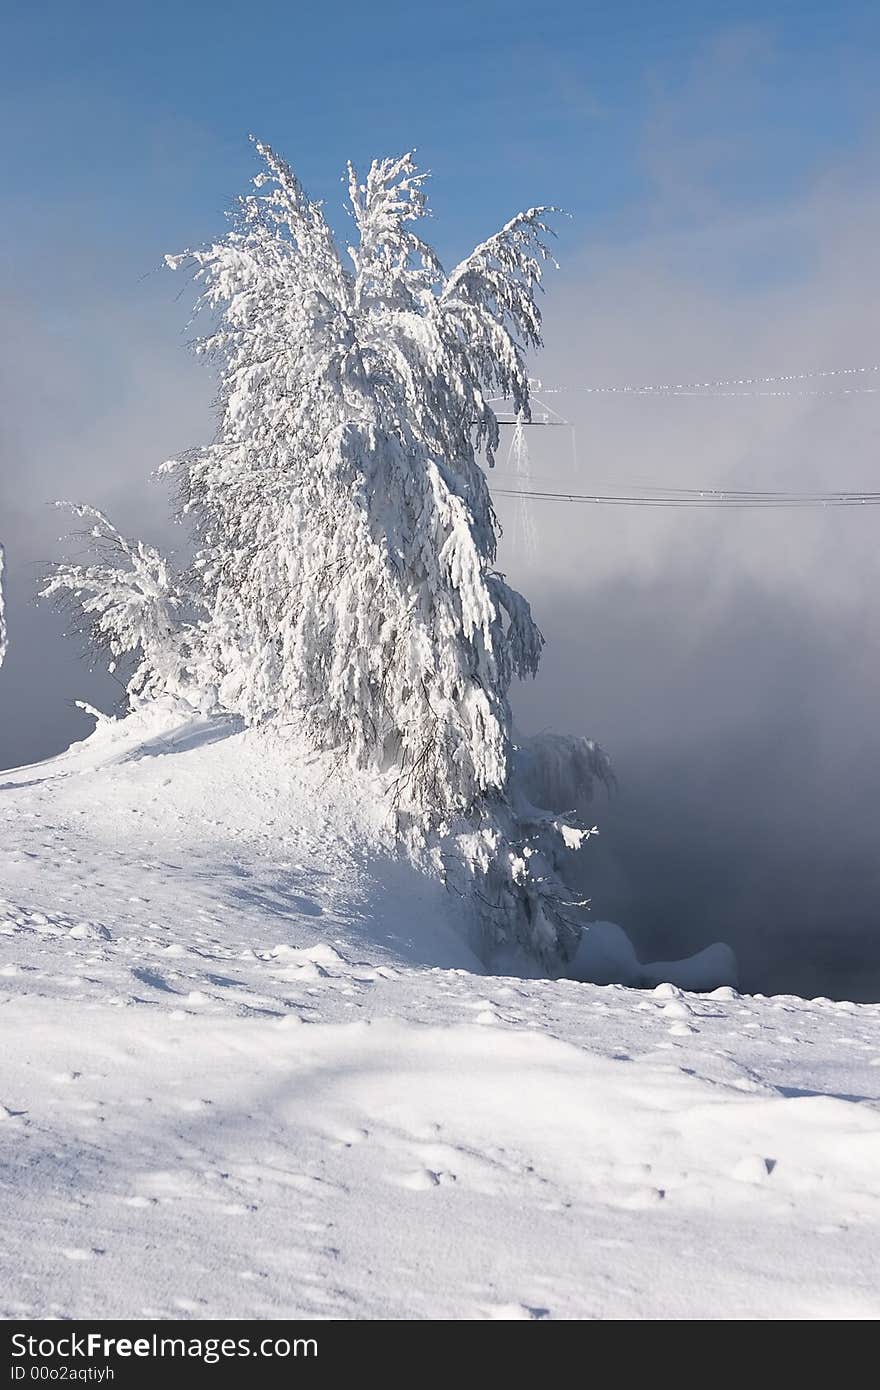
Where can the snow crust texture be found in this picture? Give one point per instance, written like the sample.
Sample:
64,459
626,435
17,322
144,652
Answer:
251,1069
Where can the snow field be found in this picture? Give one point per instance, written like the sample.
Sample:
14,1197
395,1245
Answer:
250,1069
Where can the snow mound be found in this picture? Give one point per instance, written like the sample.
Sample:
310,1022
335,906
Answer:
168,811
606,956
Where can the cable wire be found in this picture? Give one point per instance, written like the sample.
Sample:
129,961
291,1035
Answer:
703,498
726,386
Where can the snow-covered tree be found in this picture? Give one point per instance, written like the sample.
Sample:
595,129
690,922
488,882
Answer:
347,533
344,533
131,606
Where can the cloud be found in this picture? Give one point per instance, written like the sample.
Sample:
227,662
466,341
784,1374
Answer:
729,661
99,394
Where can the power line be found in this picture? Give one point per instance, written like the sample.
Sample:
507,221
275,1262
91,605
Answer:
729,386
660,393
638,486
693,393
701,498
643,494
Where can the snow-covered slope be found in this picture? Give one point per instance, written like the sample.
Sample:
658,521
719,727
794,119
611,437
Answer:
251,1068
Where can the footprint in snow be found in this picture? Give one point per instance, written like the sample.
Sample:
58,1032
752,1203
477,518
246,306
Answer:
345,1138
640,1198
753,1169
153,979
425,1179
516,1312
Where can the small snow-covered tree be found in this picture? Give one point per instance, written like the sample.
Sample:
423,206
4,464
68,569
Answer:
132,606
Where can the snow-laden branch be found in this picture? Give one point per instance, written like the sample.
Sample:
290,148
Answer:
129,604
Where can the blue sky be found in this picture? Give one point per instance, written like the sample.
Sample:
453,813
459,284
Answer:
124,125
